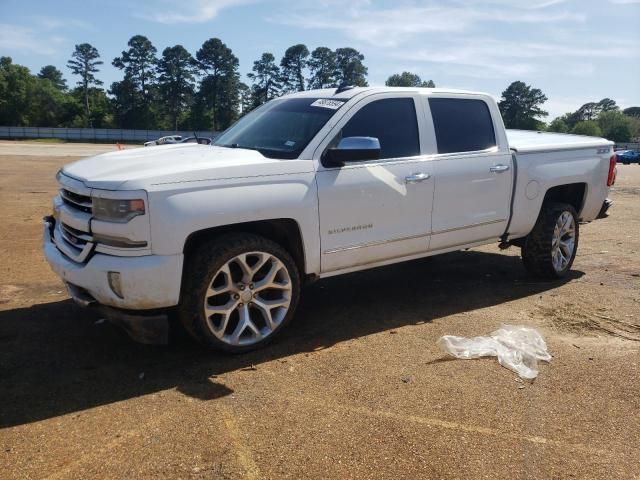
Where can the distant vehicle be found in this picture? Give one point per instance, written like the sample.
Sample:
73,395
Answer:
628,157
164,140
200,140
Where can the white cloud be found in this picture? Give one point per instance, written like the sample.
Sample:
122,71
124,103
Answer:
193,11
488,39
15,38
481,57
53,23
525,4
394,26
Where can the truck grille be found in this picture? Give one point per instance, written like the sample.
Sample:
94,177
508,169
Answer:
72,234
75,200
75,237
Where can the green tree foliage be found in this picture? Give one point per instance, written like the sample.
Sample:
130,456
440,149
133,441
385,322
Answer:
592,110
322,68
408,79
51,73
632,112
607,105
124,101
245,98
16,88
349,67
102,109
558,125
176,72
587,127
199,117
615,126
84,62
266,79
611,123
49,107
27,100
136,109
139,63
292,67
520,106
219,87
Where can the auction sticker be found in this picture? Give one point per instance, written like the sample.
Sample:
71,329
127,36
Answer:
327,103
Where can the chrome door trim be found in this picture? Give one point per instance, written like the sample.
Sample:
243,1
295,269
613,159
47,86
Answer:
413,237
481,224
372,244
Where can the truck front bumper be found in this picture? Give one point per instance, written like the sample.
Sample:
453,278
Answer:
146,284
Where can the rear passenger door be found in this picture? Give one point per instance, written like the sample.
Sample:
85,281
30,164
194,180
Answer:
472,171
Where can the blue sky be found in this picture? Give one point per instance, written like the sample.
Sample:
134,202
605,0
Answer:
574,50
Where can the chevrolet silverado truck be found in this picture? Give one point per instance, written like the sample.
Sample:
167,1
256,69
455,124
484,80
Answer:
311,185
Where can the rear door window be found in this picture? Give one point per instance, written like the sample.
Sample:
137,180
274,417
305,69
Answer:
462,125
392,121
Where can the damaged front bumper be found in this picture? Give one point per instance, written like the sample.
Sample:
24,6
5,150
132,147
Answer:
143,326
149,287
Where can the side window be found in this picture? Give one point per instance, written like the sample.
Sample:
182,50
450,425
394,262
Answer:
462,125
392,121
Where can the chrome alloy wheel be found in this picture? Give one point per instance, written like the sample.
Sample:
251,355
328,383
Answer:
563,242
248,298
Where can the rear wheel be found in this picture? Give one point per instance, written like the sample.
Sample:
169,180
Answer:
240,290
550,249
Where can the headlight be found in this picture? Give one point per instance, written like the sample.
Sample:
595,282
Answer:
120,211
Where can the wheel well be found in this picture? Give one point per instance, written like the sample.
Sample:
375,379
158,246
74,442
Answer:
283,231
572,193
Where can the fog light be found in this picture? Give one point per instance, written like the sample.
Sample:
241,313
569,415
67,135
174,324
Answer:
114,283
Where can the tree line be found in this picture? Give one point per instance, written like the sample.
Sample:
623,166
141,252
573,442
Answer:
173,90
521,108
176,90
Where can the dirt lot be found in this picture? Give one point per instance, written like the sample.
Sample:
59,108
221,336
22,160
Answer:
356,388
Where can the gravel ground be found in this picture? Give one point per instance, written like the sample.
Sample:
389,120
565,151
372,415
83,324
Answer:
356,388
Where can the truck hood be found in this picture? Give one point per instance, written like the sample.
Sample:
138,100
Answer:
142,168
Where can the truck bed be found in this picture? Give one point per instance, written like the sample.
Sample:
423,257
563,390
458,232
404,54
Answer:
528,141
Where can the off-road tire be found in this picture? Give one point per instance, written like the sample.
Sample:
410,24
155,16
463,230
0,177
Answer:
537,249
199,270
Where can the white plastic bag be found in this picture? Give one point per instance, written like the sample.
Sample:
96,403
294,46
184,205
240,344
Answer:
517,347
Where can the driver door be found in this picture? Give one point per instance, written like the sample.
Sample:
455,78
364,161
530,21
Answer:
377,210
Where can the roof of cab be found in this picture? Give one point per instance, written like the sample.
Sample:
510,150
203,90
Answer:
352,92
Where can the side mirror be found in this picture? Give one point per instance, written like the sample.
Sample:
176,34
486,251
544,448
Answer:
352,149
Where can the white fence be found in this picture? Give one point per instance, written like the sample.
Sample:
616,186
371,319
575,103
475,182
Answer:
94,134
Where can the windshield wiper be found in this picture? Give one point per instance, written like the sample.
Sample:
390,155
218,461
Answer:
236,145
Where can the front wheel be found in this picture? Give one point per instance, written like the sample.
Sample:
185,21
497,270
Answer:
550,249
239,291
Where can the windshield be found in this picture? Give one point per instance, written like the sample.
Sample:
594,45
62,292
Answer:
281,128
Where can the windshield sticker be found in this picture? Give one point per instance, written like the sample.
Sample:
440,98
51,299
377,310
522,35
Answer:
326,103
289,143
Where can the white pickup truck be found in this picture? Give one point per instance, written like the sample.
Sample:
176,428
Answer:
310,185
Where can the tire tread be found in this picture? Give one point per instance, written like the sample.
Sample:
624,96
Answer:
536,251
204,262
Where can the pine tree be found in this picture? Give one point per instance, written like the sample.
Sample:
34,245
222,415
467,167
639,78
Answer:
84,62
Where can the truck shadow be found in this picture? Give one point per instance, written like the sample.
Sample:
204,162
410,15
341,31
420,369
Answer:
56,358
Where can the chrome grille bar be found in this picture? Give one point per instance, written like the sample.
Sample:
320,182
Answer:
75,200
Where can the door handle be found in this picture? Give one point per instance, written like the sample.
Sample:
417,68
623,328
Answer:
499,168
417,178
